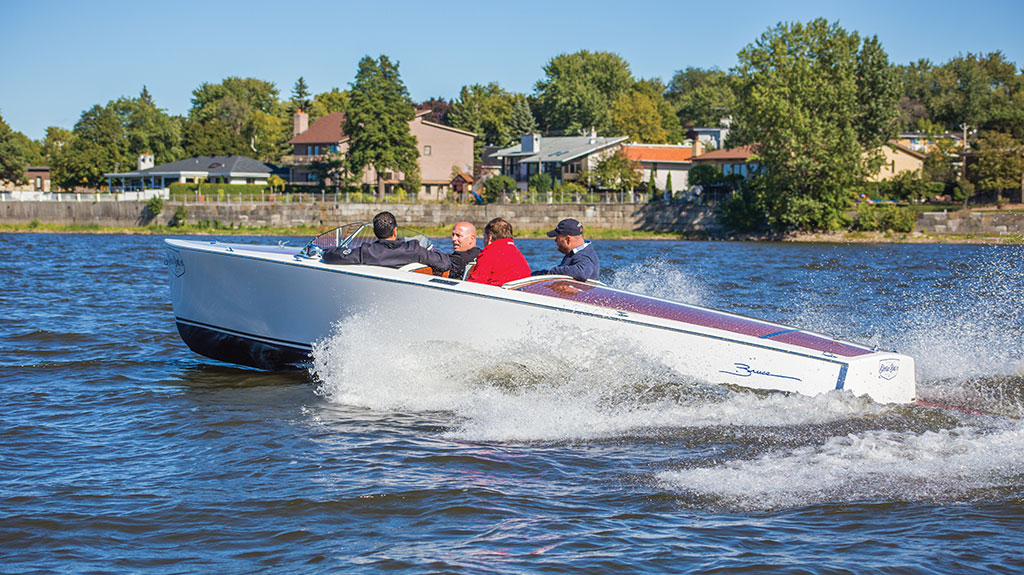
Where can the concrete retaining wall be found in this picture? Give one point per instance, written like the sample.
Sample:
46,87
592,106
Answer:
675,218
523,216
987,223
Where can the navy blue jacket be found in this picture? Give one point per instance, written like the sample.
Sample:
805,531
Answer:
581,264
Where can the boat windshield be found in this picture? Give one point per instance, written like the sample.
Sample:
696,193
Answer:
354,235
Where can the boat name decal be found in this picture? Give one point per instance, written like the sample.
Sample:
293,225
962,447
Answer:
744,370
173,260
888,368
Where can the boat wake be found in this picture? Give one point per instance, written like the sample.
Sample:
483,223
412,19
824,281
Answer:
716,446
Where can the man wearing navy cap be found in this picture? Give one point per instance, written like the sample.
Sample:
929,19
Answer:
580,260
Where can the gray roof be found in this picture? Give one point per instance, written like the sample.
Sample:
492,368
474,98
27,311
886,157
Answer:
560,148
212,165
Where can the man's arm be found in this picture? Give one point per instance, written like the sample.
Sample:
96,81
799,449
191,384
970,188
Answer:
341,256
434,259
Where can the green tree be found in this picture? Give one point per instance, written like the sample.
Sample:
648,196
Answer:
803,105
983,91
492,113
12,156
330,102
617,172
54,140
521,119
668,186
578,89
702,97
1000,163
245,106
636,115
706,175
99,145
211,138
918,82
300,95
377,122
148,128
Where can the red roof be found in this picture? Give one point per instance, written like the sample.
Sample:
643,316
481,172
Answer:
325,130
658,153
741,153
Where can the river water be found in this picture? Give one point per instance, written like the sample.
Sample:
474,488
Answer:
124,452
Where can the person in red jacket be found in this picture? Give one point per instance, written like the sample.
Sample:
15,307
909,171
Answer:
500,261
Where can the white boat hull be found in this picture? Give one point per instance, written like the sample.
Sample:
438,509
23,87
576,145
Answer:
265,307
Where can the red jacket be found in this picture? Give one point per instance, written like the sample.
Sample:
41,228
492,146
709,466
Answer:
500,262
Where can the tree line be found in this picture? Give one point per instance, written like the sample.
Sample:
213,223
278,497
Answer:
816,100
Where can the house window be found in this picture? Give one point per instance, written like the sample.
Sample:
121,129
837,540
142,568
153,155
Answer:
250,180
426,150
334,148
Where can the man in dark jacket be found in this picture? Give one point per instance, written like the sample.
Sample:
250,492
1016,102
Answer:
580,260
465,250
386,250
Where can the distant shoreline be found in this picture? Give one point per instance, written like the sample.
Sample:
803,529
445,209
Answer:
840,237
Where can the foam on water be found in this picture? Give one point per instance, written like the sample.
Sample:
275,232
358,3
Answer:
658,278
543,385
960,464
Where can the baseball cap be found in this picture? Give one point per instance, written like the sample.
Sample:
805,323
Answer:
567,227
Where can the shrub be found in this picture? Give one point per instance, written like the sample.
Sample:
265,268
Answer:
494,187
154,206
180,215
872,218
541,182
744,210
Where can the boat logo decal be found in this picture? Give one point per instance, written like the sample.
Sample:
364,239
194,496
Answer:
888,368
744,370
174,261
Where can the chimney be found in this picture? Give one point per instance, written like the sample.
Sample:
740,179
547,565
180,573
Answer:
592,138
301,123
145,161
530,143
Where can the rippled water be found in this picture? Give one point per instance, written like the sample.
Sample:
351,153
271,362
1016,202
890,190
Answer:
122,451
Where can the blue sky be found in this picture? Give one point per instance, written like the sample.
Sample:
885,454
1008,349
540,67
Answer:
59,58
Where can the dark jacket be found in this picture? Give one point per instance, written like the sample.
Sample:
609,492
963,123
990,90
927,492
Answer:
387,253
459,262
580,263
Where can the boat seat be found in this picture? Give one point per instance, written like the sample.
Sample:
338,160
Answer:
418,268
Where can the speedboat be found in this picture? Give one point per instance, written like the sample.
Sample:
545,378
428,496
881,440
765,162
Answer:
265,306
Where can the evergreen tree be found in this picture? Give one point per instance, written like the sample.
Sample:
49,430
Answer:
300,95
521,120
377,123
668,187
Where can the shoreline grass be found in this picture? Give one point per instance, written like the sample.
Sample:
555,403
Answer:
841,237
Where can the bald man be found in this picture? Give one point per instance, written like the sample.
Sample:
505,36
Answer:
464,246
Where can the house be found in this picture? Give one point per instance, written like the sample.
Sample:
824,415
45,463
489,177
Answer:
444,151
658,161
36,179
563,157
925,143
732,161
711,138
898,159
213,169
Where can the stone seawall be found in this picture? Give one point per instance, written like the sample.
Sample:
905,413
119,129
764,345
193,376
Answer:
987,223
648,217
676,218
